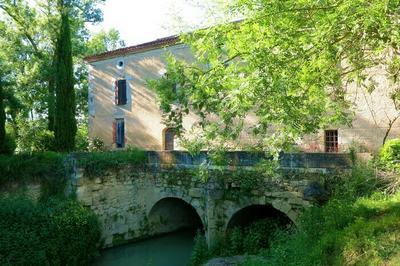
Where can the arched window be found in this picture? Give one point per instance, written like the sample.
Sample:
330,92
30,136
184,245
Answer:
169,136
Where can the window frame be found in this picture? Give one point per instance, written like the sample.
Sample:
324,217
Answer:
331,141
119,88
119,143
169,146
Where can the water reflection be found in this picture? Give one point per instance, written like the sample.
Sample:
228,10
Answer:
168,250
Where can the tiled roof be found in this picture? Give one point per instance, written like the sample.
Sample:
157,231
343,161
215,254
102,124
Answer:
159,43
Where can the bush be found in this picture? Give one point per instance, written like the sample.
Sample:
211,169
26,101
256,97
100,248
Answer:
95,163
359,225
52,233
389,155
47,168
239,240
200,251
96,144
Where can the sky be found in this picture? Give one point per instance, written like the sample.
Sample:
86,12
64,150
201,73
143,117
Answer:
140,21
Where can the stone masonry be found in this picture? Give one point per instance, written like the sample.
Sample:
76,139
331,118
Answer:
174,187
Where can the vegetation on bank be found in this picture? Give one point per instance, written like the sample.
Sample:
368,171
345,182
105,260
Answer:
51,232
52,169
55,229
49,169
359,225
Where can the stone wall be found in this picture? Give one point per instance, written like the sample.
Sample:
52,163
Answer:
129,200
174,190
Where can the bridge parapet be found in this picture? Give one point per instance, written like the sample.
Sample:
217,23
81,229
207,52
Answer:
287,161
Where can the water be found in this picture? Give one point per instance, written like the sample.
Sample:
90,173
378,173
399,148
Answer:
168,250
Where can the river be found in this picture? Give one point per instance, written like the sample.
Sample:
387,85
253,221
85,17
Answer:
173,249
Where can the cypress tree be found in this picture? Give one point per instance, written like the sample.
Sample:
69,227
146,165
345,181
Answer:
65,122
3,145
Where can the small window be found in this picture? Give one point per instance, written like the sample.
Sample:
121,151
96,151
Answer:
169,136
331,141
119,133
120,64
120,92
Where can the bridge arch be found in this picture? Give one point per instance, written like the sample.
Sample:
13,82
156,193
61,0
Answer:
253,212
170,214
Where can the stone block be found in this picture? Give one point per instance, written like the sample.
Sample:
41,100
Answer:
282,206
196,192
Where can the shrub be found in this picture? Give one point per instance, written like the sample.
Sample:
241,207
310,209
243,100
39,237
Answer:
358,226
389,155
200,251
95,163
250,239
47,168
58,232
96,144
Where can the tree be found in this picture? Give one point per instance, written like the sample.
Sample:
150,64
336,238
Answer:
65,123
287,63
2,118
33,30
104,41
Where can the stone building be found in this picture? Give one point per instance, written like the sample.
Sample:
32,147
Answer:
124,112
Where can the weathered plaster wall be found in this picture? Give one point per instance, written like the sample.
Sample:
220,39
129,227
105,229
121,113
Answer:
372,113
143,118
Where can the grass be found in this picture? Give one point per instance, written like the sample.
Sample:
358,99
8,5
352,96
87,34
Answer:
360,225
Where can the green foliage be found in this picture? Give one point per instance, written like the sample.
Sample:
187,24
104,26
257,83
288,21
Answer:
82,138
389,155
48,168
105,41
356,227
283,63
65,123
28,45
52,233
96,144
34,136
247,240
96,163
200,250
9,145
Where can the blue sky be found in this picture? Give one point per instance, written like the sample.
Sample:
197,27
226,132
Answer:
140,21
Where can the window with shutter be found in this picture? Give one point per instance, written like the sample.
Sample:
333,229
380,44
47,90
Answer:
119,133
120,92
169,136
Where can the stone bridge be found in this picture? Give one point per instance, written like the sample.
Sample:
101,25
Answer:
175,190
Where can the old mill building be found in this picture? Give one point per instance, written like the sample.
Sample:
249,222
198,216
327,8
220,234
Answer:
124,112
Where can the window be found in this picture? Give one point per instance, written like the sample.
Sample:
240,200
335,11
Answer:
169,136
331,141
120,92
119,133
